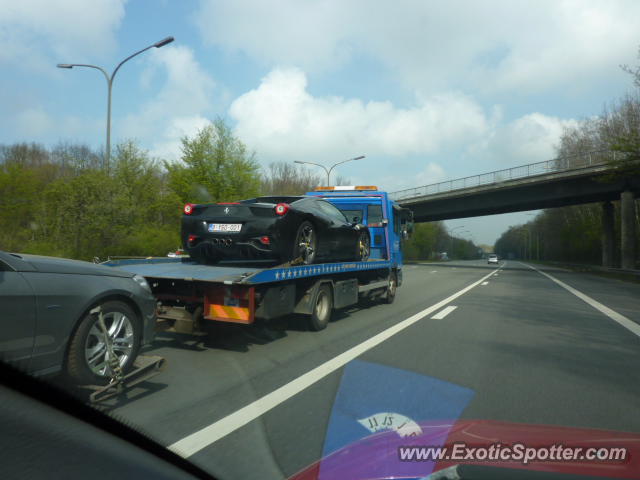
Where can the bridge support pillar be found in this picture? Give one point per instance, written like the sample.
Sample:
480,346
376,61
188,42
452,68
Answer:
628,229
608,235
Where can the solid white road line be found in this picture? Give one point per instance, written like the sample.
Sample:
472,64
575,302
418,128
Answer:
195,442
444,312
630,325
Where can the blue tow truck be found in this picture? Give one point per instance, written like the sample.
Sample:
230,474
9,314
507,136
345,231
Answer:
189,293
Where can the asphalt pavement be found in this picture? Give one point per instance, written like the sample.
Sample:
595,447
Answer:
462,340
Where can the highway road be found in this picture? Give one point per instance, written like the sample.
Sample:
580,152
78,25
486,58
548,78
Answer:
521,345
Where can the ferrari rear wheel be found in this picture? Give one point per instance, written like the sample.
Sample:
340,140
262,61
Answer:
305,245
364,247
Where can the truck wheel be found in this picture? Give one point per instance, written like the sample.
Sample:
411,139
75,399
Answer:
87,357
390,294
322,309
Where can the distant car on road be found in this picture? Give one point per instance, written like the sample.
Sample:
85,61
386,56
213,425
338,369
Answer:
279,228
49,322
492,258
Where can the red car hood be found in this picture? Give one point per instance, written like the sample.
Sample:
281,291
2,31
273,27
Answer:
377,456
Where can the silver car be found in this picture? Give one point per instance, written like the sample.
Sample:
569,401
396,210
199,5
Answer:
492,258
50,310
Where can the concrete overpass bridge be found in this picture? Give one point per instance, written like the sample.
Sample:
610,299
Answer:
574,180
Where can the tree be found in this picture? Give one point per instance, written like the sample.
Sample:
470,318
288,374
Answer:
20,190
620,127
633,71
215,167
72,158
426,241
61,202
284,178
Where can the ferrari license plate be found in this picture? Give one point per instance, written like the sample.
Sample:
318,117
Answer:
225,227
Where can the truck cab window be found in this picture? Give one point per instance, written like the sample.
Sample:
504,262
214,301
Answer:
353,215
374,214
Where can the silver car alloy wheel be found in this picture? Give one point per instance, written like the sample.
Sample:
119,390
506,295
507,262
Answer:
120,334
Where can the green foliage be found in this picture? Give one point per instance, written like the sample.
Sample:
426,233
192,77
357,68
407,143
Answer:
62,202
215,167
55,203
568,234
19,186
427,240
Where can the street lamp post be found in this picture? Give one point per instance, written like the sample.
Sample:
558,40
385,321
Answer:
526,246
537,232
109,79
328,171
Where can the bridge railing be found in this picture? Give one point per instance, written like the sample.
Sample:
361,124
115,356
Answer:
560,164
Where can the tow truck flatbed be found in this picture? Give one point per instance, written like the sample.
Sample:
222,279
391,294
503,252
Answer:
233,273
189,293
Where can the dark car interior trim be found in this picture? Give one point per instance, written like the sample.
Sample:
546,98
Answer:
42,392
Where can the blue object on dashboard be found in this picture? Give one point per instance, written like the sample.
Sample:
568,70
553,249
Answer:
373,398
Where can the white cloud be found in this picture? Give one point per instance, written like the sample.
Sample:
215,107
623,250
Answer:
488,45
432,173
282,120
308,34
179,107
39,33
33,122
528,139
169,147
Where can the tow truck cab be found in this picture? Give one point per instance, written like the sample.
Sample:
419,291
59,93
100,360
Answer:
388,223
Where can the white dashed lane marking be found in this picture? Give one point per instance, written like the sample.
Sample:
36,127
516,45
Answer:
444,312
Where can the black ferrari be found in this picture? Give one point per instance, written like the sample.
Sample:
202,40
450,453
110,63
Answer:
283,229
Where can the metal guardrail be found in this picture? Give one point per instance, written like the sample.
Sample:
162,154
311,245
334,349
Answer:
594,268
555,165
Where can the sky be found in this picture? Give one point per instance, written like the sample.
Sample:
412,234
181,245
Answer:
427,90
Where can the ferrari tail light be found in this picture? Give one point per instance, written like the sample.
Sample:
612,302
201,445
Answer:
192,238
282,208
265,240
188,208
